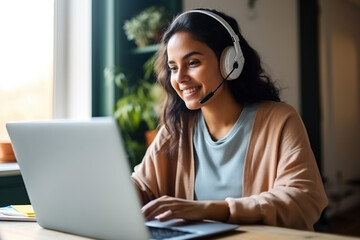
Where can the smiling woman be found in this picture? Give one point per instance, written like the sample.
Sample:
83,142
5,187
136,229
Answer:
242,156
26,60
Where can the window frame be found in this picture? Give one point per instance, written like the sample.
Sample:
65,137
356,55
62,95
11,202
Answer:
72,59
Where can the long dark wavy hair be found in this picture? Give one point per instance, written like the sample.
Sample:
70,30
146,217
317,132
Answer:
252,86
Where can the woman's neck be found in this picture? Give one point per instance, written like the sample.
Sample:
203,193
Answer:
221,115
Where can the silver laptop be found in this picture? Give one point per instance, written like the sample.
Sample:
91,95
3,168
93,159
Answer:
77,176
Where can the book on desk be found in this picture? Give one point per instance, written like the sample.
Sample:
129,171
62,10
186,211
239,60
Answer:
17,213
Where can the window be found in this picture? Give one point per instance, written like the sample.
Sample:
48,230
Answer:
26,60
45,60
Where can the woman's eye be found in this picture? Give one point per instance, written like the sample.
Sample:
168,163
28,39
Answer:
172,68
193,63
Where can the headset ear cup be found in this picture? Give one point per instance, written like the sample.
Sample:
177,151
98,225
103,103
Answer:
227,63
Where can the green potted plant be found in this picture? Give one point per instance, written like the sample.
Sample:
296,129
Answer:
147,27
137,109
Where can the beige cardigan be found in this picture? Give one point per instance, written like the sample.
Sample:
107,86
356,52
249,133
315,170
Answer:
281,182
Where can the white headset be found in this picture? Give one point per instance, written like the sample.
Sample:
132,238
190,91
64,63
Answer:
232,59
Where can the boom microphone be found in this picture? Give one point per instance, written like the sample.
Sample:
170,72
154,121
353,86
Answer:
211,94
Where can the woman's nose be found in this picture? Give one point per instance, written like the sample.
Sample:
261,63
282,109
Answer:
182,75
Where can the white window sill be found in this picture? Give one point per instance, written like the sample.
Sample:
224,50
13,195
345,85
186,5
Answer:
9,169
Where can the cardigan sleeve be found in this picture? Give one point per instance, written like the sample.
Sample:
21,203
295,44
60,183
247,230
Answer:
151,176
164,172
282,183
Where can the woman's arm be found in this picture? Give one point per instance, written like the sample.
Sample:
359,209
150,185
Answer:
166,208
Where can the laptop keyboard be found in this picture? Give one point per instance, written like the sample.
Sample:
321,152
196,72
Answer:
165,233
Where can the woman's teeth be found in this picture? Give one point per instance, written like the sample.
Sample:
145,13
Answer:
189,90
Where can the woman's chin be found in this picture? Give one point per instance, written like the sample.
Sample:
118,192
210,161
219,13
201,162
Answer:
193,105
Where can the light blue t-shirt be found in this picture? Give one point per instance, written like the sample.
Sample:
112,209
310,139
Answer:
219,164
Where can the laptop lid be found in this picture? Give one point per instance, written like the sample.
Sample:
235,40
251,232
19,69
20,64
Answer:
77,176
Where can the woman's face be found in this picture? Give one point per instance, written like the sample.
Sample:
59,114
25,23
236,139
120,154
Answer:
194,69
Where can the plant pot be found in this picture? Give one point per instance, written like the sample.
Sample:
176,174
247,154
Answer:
141,43
6,153
149,136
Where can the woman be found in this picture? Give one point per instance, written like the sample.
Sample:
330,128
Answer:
236,155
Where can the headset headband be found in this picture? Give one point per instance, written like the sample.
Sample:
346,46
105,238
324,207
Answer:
234,36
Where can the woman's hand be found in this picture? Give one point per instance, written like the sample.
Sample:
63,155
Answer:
166,208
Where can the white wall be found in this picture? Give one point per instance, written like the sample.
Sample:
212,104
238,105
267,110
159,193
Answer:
271,28
340,85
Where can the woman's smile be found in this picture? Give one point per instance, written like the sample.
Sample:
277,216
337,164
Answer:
190,91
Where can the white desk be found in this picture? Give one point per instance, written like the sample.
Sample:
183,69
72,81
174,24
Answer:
32,231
